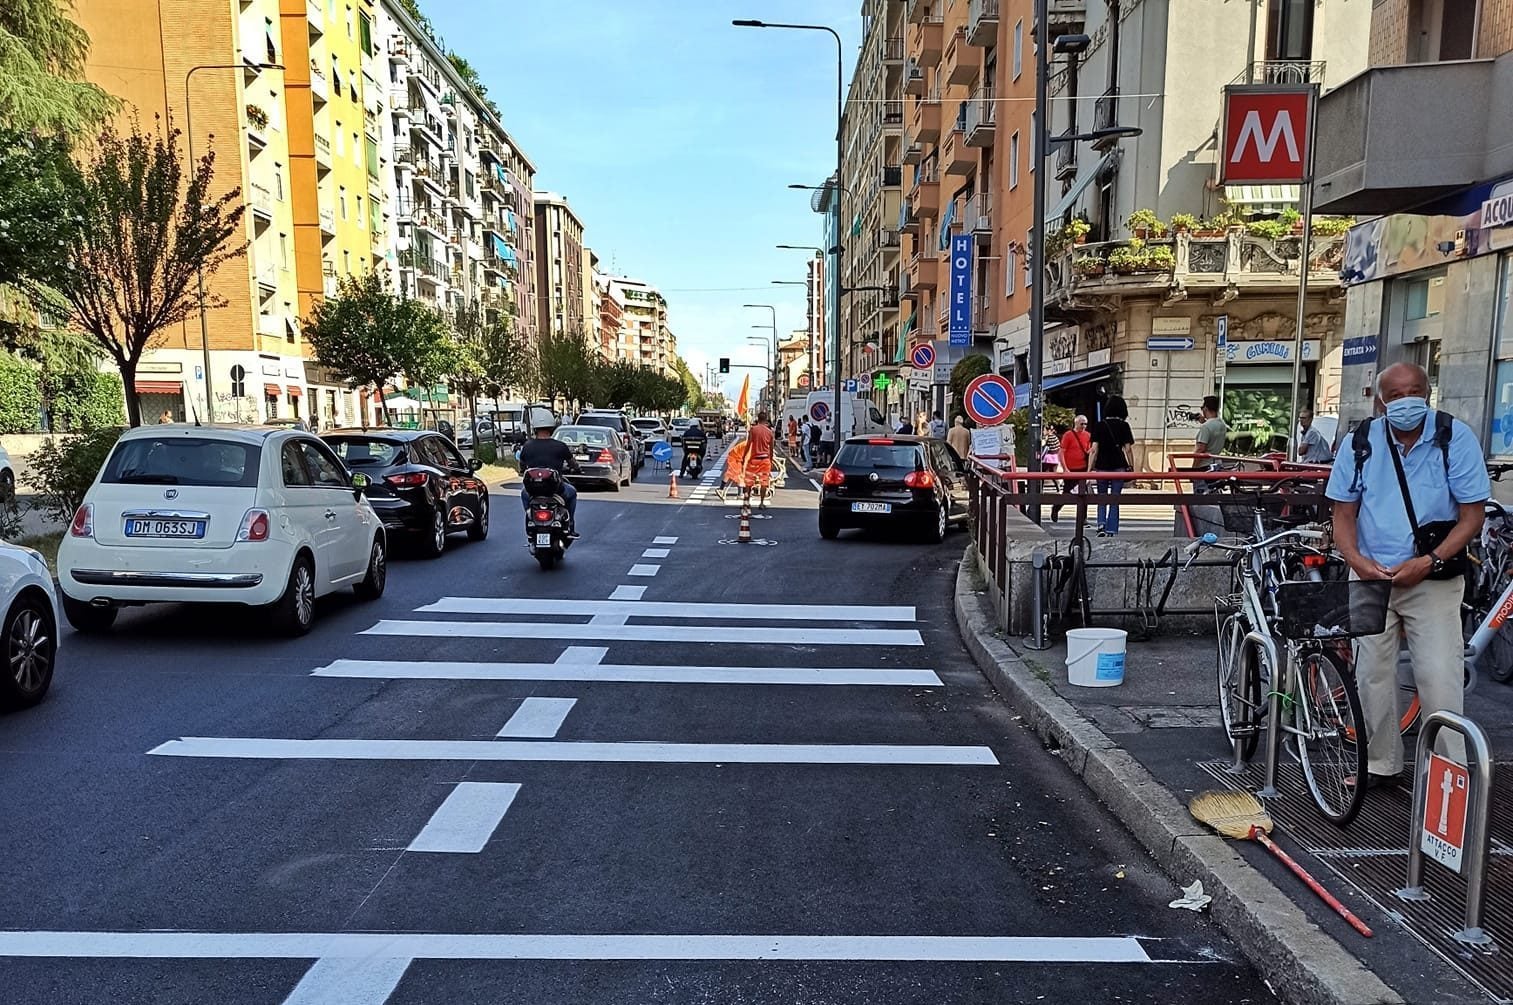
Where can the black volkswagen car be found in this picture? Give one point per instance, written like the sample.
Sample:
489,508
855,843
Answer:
906,482
421,486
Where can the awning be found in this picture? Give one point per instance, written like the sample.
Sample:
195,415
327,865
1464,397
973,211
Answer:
1063,381
272,390
159,386
295,391
292,328
1262,198
1080,186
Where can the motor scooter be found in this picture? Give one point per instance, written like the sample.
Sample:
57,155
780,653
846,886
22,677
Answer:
547,523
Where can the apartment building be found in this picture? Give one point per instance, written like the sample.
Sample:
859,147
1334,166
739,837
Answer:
1161,66
590,268
647,340
793,363
614,338
560,277
816,307
1429,277
836,363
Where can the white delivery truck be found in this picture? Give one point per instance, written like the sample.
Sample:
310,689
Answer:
858,417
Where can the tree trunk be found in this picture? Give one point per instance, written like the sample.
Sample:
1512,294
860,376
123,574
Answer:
128,370
383,405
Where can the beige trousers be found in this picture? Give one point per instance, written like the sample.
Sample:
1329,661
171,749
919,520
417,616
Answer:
1427,617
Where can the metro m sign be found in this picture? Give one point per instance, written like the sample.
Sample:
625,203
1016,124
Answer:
1266,133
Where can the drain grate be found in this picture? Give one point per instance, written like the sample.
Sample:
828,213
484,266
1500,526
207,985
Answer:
1371,855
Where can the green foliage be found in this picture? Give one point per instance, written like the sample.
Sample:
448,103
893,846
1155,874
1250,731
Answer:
64,468
87,400
486,453
1184,221
1332,226
42,56
1146,219
1273,230
1052,417
966,370
20,396
38,208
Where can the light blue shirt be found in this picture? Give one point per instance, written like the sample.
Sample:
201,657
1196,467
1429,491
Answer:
1383,532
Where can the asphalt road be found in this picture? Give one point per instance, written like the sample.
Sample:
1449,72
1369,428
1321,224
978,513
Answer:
576,803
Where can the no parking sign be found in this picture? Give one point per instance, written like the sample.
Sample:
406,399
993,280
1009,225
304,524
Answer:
989,399
922,356
819,411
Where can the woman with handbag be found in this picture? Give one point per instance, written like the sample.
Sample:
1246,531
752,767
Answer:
1112,450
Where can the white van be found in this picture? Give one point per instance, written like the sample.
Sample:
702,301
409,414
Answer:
858,417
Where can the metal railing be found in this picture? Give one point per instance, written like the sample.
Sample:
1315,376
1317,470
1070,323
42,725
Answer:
1284,71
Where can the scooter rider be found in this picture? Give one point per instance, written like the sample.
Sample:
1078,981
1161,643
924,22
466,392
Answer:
694,445
545,452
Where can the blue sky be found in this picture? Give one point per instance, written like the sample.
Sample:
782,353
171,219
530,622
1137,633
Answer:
674,135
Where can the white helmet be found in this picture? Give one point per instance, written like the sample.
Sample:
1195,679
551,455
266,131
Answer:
543,418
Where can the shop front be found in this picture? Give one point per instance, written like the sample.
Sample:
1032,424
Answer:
1256,388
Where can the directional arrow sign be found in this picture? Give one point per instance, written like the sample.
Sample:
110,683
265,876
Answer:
1168,343
989,399
922,356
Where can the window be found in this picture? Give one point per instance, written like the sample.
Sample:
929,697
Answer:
1014,160
293,466
1425,298
341,140
1289,30
365,33
349,22
371,152
1441,30
325,469
1010,268
1018,48
342,200
283,250
269,39
1034,125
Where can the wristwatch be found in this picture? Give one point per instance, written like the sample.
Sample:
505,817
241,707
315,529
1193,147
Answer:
1436,564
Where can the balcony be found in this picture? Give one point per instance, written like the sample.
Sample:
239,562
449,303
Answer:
1105,115
978,216
924,267
893,50
327,221
262,202
427,129
420,261
960,60
319,89
908,218
982,315
428,177
267,277
924,121
927,41
925,195
429,79
893,177
955,156
431,222
399,50
257,129
1284,71
893,116
316,18
887,238
322,152
914,79
981,112
906,289
982,23
918,10
1066,16
1066,160
913,152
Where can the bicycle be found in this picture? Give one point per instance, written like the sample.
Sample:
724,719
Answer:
1318,695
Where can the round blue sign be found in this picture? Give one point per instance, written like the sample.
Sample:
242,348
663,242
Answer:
819,411
661,451
922,356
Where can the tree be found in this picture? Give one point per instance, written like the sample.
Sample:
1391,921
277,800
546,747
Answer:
966,370
693,393
42,55
570,367
368,336
145,229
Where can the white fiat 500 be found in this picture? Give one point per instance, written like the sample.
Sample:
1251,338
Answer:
260,516
29,631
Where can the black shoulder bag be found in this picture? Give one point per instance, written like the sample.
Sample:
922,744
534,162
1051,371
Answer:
1428,536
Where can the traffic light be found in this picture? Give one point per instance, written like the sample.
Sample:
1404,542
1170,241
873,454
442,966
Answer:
724,364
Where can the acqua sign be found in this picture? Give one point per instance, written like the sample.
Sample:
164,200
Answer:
1266,134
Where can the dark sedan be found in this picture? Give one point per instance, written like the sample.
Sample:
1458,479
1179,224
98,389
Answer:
602,458
894,481
421,485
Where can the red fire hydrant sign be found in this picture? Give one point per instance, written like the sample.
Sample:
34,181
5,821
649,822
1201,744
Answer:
1443,833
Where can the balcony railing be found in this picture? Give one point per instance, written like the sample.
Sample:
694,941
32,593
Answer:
981,113
1284,71
327,220
262,199
893,113
322,148
893,49
887,238
978,215
982,22
1066,160
318,86
1105,115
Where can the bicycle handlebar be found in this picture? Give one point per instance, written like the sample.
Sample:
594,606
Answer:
1211,540
1496,471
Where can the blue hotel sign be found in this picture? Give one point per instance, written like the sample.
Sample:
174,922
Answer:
961,289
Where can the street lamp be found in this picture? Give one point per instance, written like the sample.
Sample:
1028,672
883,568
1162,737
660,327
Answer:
199,271
840,155
769,344
772,326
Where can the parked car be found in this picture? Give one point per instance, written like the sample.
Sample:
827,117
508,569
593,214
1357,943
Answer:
29,633
7,477
675,435
601,455
486,433
289,422
650,429
620,423
421,486
251,515
894,481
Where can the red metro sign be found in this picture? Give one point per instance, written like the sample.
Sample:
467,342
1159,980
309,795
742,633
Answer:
1266,133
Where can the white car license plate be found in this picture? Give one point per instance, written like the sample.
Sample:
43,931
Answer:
543,540
165,528
871,507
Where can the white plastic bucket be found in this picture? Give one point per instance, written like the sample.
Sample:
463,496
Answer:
1095,656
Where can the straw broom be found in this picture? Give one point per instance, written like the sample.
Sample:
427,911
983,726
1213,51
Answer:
1241,815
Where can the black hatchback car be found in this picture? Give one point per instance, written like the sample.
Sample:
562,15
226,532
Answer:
910,482
421,485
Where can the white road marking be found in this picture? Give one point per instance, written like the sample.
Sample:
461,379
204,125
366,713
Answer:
664,540
467,818
607,619
655,553
349,980
628,593
654,609
538,717
639,752
573,656
585,670
644,570
363,946
815,484
650,633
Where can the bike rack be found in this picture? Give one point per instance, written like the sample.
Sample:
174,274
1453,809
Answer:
1268,789
1038,561
1477,812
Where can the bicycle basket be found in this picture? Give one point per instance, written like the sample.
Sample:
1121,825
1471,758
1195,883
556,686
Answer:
1339,609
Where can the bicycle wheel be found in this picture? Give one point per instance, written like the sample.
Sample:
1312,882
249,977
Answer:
1239,686
1330,729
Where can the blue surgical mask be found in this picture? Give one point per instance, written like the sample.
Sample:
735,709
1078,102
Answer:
1407,413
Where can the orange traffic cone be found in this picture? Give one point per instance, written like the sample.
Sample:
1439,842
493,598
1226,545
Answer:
672,484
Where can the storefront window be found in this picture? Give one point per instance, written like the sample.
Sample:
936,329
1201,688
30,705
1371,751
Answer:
1500,443
1258,407
1504,339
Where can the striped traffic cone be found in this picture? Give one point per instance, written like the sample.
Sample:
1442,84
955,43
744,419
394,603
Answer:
744,537
672,484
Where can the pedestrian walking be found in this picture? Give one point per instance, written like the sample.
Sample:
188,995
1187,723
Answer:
937,427
1076,445
793,436
828,445
922,424
1210,442
1408,497
959,438
815,451
759,455
1112,450
806,451
1312,447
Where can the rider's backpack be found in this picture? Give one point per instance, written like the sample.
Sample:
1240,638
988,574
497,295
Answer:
1360,443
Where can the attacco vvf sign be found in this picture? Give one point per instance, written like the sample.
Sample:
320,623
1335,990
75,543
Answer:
1265,134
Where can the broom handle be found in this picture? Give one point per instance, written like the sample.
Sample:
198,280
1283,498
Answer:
1313,884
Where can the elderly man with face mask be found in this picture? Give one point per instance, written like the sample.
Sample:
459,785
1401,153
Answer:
1408,497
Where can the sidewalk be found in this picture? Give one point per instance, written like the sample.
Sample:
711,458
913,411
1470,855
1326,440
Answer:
1147,746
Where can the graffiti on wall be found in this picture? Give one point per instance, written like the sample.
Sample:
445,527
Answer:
1406,242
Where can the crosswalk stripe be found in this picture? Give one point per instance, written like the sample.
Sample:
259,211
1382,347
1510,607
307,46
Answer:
466,819
655,609
349,980
585,672
538,717
650,633
379,946
628,593
640,569
636,752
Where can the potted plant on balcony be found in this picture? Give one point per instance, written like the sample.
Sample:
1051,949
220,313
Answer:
1184,222
1090,266
257,117
1077,229
1123,261
1145,224
1332,226
1272,230
1293,219
1157,259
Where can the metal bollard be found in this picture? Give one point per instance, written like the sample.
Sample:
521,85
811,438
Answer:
1280,681
1038,561
1477,814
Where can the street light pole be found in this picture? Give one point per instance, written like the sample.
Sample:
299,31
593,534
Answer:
199,270
1037,253
773,325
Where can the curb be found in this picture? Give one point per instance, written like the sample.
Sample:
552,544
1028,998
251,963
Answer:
1303,963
